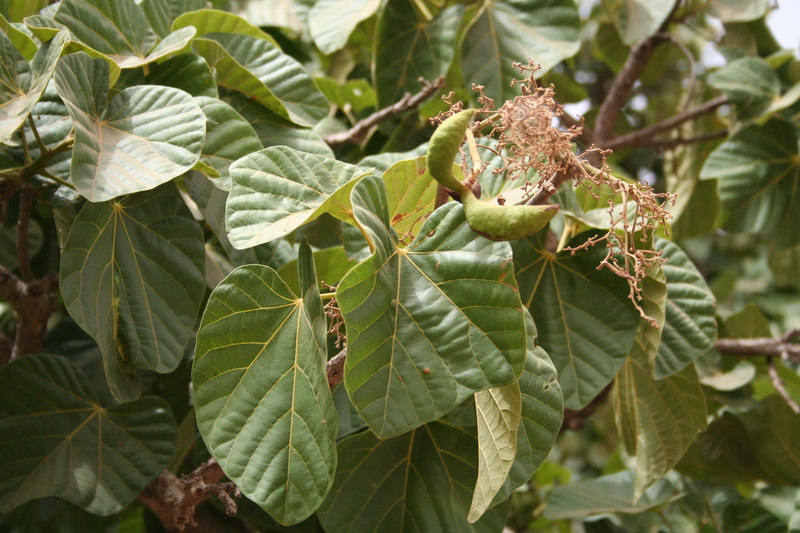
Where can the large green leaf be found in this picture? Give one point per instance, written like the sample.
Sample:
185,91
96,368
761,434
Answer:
161,13
58,441
187,72
273,130
119,30
691,327
261,391
585,321
607,494
278,189
547,31
638,19
132,277
775,432
411,194
428,325
542,414
21,39
214,21
663,417
228,137
22,84
332,21
746,517
498,412
407,48
758,176
143,137
420,481
261,71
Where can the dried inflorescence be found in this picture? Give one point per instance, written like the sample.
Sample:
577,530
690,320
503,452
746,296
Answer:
530,143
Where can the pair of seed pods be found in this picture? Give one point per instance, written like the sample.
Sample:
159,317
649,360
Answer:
495,222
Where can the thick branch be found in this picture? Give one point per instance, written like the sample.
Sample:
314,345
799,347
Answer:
408,102
623,84
761,347
335,368
174,500
644,136
25,208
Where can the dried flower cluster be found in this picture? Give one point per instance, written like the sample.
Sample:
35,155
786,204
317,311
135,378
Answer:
531,143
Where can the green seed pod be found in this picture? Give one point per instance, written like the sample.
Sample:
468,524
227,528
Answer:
501,223
443,147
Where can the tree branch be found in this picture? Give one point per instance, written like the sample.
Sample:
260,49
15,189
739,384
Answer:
408,102
645,136
25,208
779,385
623,84
762,347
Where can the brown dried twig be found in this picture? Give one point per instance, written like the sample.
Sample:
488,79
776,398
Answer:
408,102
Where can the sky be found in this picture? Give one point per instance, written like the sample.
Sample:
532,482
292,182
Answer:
785,23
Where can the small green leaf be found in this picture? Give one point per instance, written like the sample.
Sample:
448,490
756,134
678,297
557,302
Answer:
420,481
261,71
261,392
332,21
355,95
758,177
143,137
691,327
58,441
428,325
21,40
411,194
278,189
585,321
498,412
739,376
638,19
22,84
607,494
408,47
547,31
142,251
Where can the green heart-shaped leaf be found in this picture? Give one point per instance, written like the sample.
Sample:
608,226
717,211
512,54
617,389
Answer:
138,254
187,72
278,189
119,30
758,178
58,441
638,19
215,21
261,390
420,481
143,137
504,32
585,321
428,325
22,84
749,83
261,71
